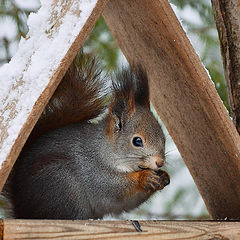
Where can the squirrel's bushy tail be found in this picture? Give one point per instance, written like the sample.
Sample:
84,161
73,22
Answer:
81,95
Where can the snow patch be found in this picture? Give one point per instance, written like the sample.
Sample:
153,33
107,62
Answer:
25,77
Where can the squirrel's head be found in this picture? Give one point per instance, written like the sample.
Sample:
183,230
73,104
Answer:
136,135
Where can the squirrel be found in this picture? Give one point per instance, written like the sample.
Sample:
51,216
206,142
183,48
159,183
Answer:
73,167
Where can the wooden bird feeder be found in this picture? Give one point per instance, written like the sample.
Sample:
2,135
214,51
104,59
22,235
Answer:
181,91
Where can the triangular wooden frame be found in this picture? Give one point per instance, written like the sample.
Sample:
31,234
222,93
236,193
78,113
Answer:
147,31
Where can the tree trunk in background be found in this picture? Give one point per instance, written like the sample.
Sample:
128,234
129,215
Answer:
227,17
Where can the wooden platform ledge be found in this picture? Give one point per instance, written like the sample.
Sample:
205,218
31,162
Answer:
59,229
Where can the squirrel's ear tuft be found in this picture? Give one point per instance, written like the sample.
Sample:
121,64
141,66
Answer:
128,90
141,95
131,88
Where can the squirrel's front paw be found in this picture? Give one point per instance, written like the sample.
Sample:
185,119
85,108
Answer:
152,181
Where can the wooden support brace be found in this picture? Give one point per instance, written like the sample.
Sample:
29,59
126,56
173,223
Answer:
149,33
26,84
57,229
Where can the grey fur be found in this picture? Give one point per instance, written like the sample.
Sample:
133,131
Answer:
79,171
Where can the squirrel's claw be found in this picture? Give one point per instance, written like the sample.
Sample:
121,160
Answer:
152,181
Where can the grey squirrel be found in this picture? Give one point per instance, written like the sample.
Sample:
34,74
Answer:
71,168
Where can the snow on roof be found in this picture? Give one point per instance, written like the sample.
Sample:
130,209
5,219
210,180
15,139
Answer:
52,30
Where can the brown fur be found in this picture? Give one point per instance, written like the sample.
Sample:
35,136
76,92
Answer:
80,96
147,181
110,127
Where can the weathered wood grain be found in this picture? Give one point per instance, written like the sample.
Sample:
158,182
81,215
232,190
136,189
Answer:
18,112
1,229
48,229
227,17
149,33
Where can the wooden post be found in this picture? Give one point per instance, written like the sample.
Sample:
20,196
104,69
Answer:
61,229
149,33
227,18
58,30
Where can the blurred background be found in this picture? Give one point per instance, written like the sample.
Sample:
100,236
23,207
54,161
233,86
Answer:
181,199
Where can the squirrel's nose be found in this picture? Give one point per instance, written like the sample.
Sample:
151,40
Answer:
159,161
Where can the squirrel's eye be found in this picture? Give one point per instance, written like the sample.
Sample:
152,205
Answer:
137,142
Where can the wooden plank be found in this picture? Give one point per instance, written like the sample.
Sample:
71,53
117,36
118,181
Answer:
149,33
50,229
55,35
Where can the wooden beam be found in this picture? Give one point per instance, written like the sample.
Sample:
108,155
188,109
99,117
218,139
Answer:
56,33
60,229
149,33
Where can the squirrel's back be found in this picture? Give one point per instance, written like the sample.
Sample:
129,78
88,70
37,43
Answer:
80,96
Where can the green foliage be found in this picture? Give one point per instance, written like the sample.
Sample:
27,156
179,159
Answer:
101,43
18,16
